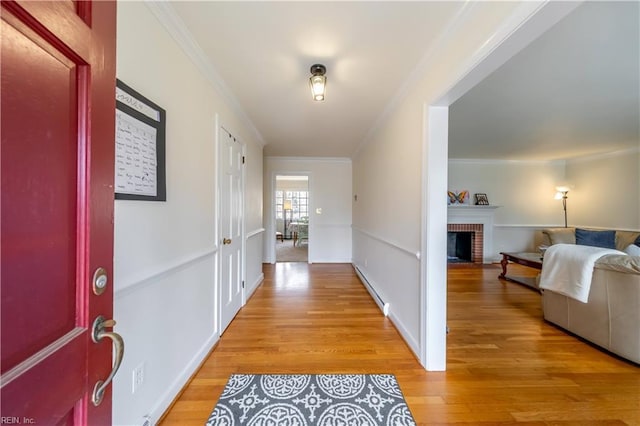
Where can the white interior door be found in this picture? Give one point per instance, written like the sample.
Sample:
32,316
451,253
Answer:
231,161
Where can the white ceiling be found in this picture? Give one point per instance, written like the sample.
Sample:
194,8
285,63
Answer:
263,52
574,91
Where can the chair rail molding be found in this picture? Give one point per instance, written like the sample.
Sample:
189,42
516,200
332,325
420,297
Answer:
389,243
254,233
153,274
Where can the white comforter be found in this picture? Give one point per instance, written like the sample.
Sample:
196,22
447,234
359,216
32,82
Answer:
567,269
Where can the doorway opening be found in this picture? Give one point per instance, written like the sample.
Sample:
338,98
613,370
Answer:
292,218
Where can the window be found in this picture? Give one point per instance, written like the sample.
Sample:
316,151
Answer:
299,204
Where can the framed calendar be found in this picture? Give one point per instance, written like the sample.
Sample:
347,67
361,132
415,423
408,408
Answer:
140,172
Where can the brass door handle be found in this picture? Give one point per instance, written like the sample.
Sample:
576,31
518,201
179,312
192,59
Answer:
97,334
226,241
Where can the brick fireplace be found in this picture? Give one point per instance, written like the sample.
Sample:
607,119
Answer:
479,221
477,238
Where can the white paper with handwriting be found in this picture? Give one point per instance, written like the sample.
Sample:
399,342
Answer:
136,156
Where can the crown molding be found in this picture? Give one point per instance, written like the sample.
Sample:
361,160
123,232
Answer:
311,159
173,24
497,161
558,162
603,155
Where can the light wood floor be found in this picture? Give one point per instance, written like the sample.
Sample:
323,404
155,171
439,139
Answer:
505,364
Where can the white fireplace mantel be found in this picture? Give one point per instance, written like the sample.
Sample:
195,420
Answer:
476,214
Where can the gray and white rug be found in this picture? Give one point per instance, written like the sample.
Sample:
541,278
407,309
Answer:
309,399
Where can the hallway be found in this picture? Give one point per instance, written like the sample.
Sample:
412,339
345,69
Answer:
304,318
505,365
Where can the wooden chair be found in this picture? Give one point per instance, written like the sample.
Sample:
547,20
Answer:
279,236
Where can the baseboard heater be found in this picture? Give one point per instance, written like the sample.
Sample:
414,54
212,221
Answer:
384,306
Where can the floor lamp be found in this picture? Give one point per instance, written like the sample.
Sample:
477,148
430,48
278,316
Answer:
286,208
562,195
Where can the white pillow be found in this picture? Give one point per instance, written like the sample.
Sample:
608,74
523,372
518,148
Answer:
632,250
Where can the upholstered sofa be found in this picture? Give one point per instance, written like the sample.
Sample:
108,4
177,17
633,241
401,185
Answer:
611,318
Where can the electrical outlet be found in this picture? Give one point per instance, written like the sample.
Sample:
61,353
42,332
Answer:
138,378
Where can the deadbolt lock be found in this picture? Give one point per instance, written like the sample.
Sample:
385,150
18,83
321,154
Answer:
99,281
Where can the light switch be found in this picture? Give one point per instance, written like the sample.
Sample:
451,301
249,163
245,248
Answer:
319,210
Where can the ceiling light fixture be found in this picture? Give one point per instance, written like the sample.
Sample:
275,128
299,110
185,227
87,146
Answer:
318,81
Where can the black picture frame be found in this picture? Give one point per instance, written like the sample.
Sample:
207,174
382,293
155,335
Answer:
481,199
135,177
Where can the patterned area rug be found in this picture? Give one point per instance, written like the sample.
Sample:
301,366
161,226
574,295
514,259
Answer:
287,252
308,399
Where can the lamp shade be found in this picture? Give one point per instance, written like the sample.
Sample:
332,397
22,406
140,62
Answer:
318,82
287,205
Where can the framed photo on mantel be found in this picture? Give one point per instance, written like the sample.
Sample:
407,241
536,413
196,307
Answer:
481,199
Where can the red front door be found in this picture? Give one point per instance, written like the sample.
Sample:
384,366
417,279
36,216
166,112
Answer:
57,69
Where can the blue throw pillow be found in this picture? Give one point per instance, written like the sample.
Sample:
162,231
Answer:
604,239
637,241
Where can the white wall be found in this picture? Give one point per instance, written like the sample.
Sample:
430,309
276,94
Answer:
388,174
165,262
329,190
292,185
523,190
605,190
605,193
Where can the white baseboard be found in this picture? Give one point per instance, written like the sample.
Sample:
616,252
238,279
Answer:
345,260
254,286
384,307
169,395
406,336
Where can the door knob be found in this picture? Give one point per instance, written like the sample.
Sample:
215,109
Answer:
97,334
226,241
